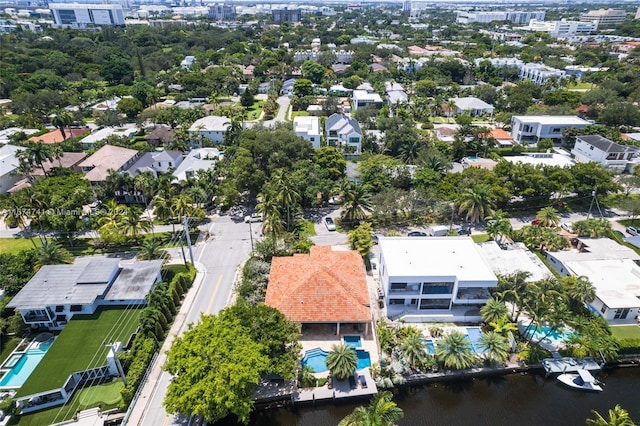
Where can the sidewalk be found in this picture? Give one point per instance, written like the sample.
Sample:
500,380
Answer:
149,387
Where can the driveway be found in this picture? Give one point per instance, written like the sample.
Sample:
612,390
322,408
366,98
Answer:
283,102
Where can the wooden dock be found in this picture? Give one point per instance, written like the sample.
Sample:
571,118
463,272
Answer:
341,389
568,365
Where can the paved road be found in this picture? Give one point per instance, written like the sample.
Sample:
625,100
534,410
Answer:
219,257
284,102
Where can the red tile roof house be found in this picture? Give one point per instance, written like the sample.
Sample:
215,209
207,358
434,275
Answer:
326,286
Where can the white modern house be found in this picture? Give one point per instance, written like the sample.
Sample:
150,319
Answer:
433,279
58,292
196,160
598,149
532,128
364,98
539,74
156,162
8,167
186,63
345,132
612,269
127,130
211,127
308,128
473,106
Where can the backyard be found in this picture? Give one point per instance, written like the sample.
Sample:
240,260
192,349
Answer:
80,346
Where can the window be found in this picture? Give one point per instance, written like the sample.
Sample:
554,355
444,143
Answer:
396,301
437,288
398,287
170,164
76,308
59,308
621,313
435,303
556,130
603,309
312,139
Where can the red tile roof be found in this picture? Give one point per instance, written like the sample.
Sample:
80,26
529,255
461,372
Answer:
55,136
500,134
324,286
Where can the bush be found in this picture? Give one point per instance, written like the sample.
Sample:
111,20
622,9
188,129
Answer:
140,360
629,346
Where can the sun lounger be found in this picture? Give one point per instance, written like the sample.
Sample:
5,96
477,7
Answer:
353,383
363,382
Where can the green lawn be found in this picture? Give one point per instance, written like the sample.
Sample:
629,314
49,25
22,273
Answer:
581,86
8,345
106,395
626,331
308,229
14,245
295,114
480,238
254,111
80,346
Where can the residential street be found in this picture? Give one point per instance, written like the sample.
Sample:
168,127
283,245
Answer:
218,260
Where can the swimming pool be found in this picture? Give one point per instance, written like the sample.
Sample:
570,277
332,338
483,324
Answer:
317,360
22,364
547,333
353,342
474,335
431,347
364,359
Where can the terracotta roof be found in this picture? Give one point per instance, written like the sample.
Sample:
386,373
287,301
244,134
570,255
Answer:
67,160
500,134
321,287
55,136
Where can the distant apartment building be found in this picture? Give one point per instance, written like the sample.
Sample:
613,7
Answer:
486,17
604,17
75,15
539,73
286,15
563,28
222,12
532,128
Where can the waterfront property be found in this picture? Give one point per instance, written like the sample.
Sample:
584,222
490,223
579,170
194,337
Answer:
58,292
21,363
427,279
613,271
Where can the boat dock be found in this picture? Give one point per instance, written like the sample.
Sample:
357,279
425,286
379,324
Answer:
569,365
339,390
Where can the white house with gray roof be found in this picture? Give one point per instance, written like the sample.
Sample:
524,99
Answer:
58,292
157,162
473,106
212,127
196,160
8,167
344,132
598,149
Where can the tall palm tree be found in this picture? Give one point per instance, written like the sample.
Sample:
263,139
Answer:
152,249
493,310
476,203
412,349
356,201
510,289
498,226
342,361
382,411
62,119
132,225
182,206
285,193
618,416
52,254
548,216
271,217
410,150
454,351
496,347
579,289
37,153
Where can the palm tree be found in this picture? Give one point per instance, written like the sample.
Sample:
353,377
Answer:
342,361
412,349
285,193
410,150
60,120
131,224
548,216
618,416
356,201
498,226
271,217
152,249
37,153
52,254
451,107
503,326
454,351
496,347
493,310
382,411
476,203
182,206
510,289
579,289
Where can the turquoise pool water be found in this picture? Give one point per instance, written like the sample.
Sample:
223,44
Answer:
475,335
431,347
316,359
354,342
23,365
547,333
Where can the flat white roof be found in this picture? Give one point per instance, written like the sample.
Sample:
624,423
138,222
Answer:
597,249
434,257
545,160
515,258
307,125
617,282
552,119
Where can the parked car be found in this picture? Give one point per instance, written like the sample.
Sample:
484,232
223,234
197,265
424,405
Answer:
632,230
252,218
464,231
331,226
417,234
567,227
375,239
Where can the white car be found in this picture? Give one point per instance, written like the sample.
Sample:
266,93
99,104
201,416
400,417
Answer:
331,226
252,218
567,227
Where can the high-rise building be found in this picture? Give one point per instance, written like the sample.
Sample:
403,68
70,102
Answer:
485,17
77,15
286,15
222,12
604,17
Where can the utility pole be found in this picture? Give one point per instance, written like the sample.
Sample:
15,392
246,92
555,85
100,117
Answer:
250,234
594,199
185,223
452,212
112,347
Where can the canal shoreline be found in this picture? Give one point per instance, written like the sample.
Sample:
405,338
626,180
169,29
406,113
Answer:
417,380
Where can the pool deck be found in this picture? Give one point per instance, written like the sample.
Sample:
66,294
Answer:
341,389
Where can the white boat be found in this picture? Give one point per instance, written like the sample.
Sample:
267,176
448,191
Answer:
582,380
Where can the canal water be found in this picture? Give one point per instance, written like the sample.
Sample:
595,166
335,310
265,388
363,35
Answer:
519,399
